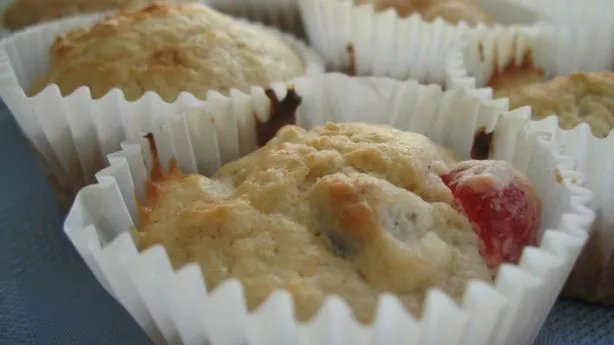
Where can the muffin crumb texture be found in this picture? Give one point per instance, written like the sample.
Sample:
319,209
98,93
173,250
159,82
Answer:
23,13
168,48
348,209
574,99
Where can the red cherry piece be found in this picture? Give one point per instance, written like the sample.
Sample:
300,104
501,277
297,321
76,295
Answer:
500,203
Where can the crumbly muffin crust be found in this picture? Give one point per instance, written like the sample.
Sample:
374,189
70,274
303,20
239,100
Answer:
452,11
23,13
168,48
348,209
576,98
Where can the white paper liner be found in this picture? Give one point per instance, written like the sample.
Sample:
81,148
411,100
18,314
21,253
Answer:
591,21
72,134
596,161
175,307
384,43
471,64
282,14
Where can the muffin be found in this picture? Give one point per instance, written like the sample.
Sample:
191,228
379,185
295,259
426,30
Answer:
168,48
23,13
452,11
574,98
537,67
350,209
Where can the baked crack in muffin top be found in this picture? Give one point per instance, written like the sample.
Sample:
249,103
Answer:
354,210
575,98
168,48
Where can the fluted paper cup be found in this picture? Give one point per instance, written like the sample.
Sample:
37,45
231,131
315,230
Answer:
72,134
590,22
282,14
358,40
472,62
593,276
470,65
175,307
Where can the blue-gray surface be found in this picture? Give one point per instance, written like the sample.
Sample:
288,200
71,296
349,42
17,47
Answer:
48,296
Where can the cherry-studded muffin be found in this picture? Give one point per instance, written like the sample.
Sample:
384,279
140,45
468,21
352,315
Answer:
353,210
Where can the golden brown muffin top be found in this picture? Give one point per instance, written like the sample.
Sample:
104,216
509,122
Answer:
451,11
23,13
575,98
168,48
348,209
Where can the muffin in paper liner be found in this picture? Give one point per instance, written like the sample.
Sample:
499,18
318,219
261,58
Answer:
471,64
175,307
358,40
283,14
71,135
